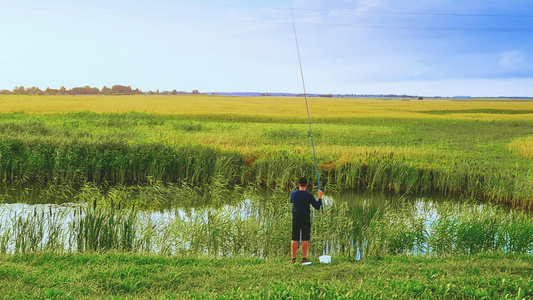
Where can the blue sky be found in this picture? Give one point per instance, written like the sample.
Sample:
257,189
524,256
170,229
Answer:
427,48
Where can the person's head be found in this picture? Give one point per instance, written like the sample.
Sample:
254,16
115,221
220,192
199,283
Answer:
302,182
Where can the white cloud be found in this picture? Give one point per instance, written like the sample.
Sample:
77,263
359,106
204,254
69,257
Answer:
512,60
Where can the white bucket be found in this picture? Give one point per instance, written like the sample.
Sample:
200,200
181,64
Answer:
325,259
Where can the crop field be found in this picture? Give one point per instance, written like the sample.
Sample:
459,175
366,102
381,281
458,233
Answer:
292,108
133,186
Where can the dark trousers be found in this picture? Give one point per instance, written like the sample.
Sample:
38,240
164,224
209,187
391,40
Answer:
301,227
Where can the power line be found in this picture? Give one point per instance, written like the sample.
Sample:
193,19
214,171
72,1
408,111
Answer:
315,24
419,13
347,10
421,28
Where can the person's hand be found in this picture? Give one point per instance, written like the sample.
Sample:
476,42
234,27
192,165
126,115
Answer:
320,194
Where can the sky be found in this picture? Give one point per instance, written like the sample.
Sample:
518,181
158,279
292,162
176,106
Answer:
425,48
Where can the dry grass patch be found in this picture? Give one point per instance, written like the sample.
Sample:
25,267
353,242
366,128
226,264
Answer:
522,146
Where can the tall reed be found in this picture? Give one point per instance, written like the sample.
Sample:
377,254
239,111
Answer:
260,226
44,165
101,229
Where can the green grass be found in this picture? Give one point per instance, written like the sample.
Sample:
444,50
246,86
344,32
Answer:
122,276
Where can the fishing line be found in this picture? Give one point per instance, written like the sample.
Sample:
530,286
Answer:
306,105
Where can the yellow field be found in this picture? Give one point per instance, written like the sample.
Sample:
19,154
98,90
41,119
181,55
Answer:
522,146
273,107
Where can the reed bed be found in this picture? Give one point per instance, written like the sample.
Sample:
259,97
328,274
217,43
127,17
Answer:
115,162
260,227
48,171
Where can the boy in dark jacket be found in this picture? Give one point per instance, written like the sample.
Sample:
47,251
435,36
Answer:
301,217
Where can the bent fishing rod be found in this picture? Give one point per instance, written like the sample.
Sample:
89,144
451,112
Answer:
306,106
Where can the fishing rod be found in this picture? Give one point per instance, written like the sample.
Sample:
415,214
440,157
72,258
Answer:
306,106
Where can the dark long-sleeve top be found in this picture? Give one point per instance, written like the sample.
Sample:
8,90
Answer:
302,201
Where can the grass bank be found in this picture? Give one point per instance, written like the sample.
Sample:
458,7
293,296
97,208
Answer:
123,276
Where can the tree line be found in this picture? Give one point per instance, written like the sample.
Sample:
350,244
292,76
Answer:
87,90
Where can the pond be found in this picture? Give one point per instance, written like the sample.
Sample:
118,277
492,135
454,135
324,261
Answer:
258,224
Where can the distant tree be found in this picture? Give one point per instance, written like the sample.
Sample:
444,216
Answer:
195,92
34,90
62,90
19,90
174,92
121,89
106,90
86,90
50,91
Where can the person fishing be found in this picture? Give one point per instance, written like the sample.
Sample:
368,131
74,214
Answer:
301,218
